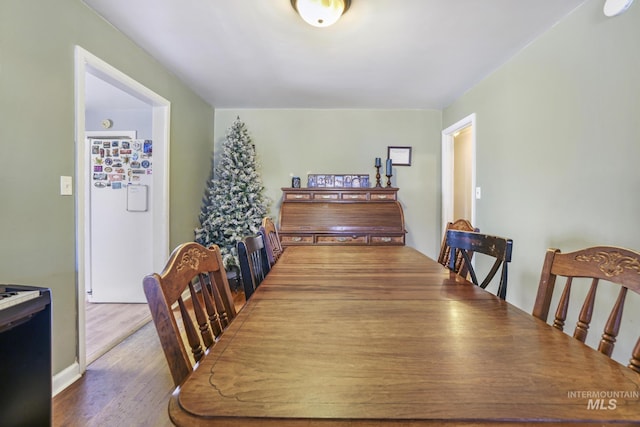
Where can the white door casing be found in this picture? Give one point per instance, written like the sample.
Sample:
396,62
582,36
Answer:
448,149
86,62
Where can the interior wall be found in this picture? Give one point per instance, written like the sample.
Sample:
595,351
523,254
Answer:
558,143
123,119
38,137
462,179
299,142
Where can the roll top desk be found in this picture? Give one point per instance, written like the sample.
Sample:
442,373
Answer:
341,216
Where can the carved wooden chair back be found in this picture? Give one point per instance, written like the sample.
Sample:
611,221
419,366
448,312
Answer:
445,251
607,263
467,242
271,240
194,278
254,264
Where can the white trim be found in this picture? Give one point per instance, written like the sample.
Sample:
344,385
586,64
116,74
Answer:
447,168
85,62
101,134
161,120
65,378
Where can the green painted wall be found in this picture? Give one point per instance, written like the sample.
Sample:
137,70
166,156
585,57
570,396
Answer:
298,142
558,143
37,131
557,134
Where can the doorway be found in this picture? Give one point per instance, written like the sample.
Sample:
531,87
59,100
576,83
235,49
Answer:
116,86
459,191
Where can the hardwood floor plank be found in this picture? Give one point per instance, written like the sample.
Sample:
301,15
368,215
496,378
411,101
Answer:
108,324
129,385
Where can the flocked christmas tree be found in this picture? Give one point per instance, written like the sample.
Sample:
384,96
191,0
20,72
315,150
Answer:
233,204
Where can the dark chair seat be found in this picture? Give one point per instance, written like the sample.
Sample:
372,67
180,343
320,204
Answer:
445,251
468,243
254,264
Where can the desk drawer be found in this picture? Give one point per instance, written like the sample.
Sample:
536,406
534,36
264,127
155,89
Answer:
342,240
297,196
296,240
326,196
387,240
354,196
383,196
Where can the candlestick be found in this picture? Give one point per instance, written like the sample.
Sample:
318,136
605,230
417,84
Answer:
378,162
389,170
378,183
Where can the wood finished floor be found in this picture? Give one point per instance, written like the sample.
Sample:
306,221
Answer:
108,324
129,385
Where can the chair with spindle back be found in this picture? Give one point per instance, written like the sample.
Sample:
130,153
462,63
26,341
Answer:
445,250
254,263
614,265
198,272
271,240
467,242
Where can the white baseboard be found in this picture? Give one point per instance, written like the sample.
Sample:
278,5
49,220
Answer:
65,378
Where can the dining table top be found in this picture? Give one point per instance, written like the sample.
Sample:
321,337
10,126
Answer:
364,335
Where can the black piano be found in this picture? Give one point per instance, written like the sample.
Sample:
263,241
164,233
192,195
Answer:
25,356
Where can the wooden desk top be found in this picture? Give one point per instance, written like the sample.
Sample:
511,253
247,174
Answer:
355,336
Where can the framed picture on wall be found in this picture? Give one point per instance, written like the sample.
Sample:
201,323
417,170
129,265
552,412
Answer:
400,156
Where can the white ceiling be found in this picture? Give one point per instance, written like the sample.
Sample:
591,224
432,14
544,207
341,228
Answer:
100,95
381,54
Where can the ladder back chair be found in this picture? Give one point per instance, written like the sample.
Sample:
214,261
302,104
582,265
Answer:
194,278
445,250
271,240
607,263
254,264
467,243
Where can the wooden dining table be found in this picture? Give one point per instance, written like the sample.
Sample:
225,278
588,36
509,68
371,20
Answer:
368,336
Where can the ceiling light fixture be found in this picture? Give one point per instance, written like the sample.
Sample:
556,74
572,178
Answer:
321,13
616,7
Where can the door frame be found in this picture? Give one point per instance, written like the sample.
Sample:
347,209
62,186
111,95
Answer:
448,137
85,62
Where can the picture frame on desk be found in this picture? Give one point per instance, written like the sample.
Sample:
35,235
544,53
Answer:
400,156
337,181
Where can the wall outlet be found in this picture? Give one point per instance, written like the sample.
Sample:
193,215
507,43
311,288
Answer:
66,186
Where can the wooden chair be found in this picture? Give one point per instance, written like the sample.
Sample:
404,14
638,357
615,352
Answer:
466,242
271,240
445,250
615,265
254,264
208,309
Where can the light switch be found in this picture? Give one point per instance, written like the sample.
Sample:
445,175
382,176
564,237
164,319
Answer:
478,193
66,186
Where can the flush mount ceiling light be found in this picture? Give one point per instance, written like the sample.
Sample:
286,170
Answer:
616,7
321,13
